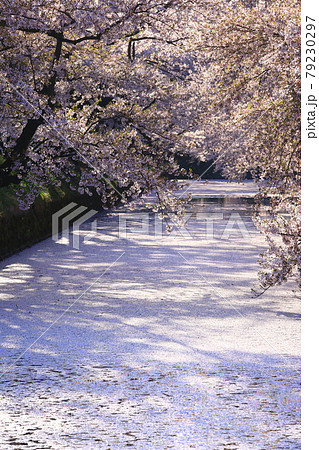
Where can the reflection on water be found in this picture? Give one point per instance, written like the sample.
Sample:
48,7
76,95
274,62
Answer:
224,201
204,218
200,203
243,205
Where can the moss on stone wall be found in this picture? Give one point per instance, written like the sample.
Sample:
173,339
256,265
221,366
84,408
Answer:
20,229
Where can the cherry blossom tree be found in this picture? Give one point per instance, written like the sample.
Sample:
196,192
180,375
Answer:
255,93
98,94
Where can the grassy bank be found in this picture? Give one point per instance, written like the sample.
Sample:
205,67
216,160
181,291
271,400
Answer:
20,229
